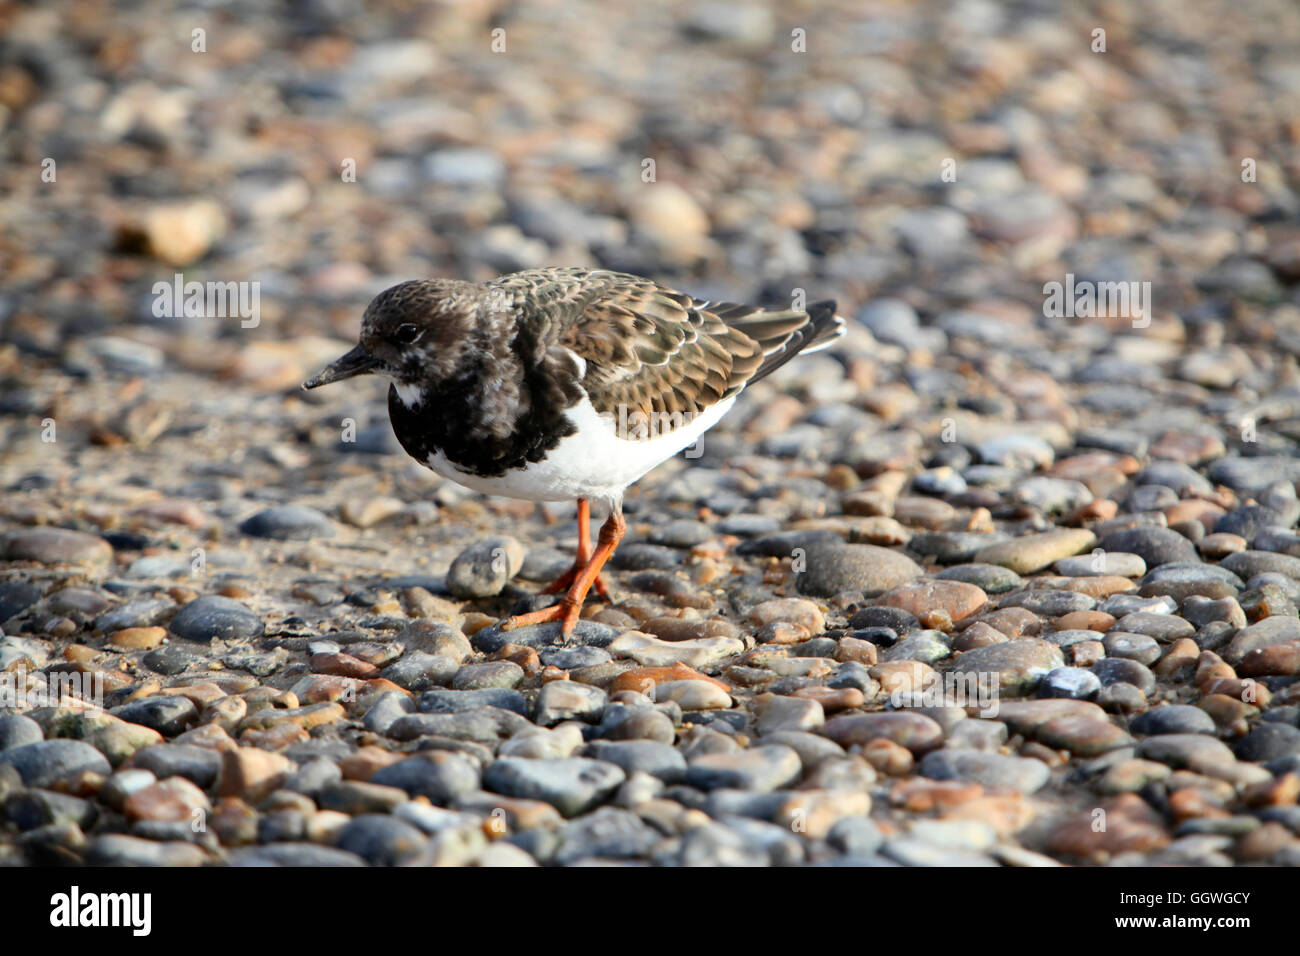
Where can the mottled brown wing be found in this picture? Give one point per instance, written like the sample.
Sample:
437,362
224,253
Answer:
652,350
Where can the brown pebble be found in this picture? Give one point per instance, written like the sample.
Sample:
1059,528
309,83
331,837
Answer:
1085,621
138,638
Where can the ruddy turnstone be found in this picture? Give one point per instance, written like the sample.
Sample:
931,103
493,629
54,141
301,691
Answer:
565,384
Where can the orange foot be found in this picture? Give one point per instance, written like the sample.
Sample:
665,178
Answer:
582,559
569,609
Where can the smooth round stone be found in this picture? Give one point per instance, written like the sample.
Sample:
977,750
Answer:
639,556
956,599
1191,751
774,712
832,568
660,760
440,775
1113,670
1250,521
141,612
1051,495
418,670
1034,552
917,732
46,762
54,546
1269,741
18,596
1173,719
682,533
1181,581
1051,602
1122,697
572,785
1165,628
1117,605
748,526
119,849
896,619
484,568
1155,546
953,547
1270,632
1247,564
941,481
562,700
1181,478
571,658
216,618
1083,736
1101,563
491,639
461,701
987,769
692,695
1133,647
924,646
288,523
17,730
169,715
990,578
1074,636
1018,664
382,840
488,675
607,834
1023,452
200,765
301,855
758,769
1071,683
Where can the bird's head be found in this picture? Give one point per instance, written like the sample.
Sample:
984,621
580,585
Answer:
412,334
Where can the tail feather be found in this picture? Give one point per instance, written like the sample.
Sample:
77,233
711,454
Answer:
784,335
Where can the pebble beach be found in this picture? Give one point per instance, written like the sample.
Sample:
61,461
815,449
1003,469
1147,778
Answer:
1008,577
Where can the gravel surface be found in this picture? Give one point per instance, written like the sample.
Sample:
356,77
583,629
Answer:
999,580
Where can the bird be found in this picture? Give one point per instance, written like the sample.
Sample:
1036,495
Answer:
565,384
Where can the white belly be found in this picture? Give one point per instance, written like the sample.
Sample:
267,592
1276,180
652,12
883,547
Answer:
595,462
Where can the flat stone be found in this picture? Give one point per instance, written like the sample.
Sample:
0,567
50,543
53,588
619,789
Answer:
382,840
652,652
762,769
213,617
1156,546
442,776
917,732
1018,665
1102,563
987,769
660,760
54,546
288,523
955,599
1269,632
833,567
46,763
572,785
561,700
1033,552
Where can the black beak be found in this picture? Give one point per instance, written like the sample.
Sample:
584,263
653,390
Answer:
356,362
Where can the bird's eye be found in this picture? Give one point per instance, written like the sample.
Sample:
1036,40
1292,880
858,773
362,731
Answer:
406,333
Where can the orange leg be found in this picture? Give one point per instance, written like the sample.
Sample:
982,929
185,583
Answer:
581,559
569,609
